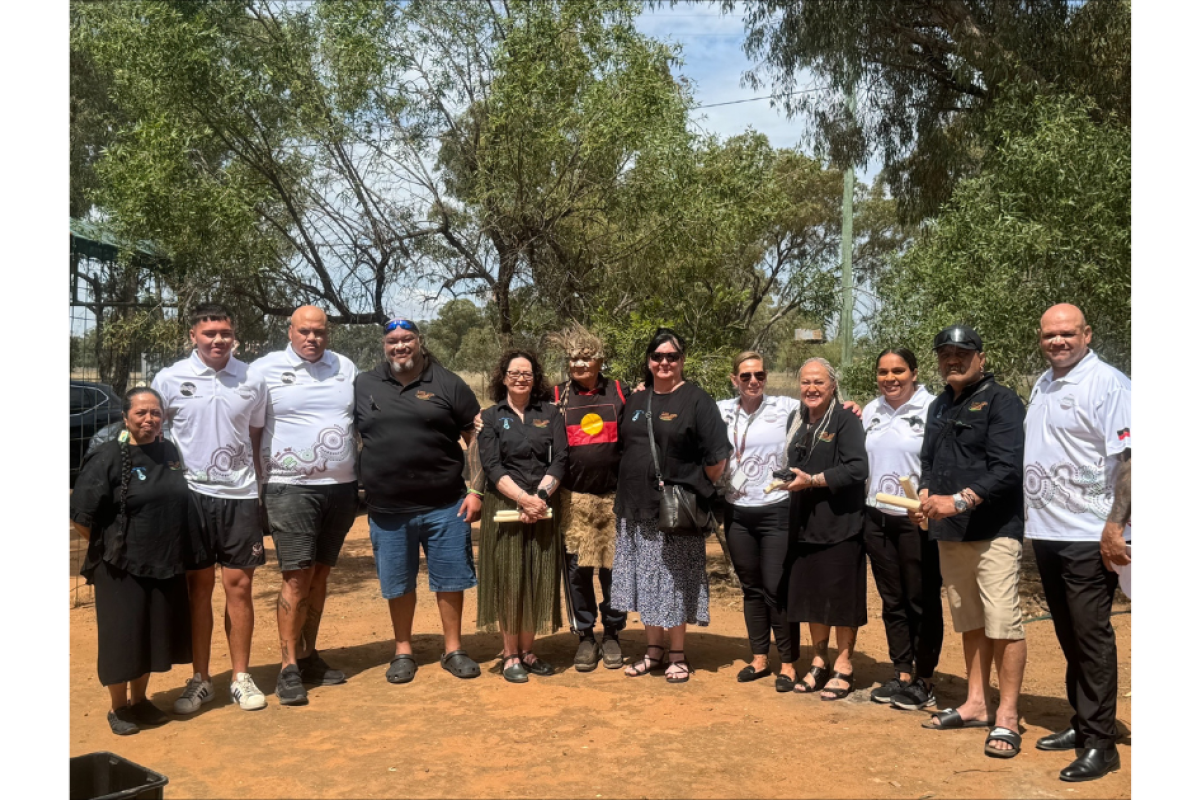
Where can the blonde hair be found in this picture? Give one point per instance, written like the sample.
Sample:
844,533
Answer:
746,355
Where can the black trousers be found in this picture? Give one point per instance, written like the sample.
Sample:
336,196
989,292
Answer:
907,574
1079,592
582,592
758,544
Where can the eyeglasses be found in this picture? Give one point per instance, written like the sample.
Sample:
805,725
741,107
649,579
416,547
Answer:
400,323
758,376
520,376
670,358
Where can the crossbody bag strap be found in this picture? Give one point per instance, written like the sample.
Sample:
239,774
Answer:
653,446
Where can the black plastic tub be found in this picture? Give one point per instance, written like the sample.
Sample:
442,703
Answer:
107,776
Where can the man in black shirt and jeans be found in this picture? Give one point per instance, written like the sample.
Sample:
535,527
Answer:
410,412
592,406
971,495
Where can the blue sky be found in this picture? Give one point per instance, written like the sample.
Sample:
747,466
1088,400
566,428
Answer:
715,63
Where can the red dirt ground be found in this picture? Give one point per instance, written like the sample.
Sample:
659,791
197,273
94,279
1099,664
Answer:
593,735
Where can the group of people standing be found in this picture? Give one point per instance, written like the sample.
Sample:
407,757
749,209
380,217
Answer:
590,478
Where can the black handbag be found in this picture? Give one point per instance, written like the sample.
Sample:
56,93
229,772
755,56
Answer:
678,511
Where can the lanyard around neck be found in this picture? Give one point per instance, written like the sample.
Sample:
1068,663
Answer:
740,449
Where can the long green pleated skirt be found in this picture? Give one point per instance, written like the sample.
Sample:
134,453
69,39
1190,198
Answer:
519,570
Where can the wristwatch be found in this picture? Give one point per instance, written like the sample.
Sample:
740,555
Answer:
960,503
541,493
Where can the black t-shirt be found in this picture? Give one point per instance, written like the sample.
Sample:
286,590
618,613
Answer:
411,460
983,450
593,446
690,435
832,513
525,451
161,526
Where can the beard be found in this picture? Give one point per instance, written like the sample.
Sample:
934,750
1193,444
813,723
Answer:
403,366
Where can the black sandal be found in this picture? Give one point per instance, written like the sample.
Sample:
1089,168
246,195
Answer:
515,673
646,664
681,663
839,694
820,678
536,666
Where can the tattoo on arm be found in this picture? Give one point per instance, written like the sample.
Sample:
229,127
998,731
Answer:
549,484
476,478
1122,490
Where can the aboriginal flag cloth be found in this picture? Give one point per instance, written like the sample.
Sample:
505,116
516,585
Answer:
592,417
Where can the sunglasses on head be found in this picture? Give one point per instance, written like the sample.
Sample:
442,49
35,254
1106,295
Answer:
400,323
670,358
758,376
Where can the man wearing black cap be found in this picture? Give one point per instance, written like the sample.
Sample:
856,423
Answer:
970,489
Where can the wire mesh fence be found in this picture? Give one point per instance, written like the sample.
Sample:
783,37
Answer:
107,293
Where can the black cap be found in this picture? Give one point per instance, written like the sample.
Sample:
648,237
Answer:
963,336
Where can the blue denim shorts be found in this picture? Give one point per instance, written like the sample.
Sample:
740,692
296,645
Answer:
444,535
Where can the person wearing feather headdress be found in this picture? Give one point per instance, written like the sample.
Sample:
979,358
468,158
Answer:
592,405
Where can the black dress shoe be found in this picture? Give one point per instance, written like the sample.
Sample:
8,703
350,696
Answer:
1061,740
1092,764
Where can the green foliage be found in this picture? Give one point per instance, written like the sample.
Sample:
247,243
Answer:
925,74
1047,221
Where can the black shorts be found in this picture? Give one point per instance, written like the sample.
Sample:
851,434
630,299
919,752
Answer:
309,523
230,534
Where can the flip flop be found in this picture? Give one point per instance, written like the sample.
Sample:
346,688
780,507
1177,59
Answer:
948,719
402,669
1004,735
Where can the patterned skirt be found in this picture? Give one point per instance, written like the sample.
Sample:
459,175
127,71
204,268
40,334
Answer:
661,576
520,567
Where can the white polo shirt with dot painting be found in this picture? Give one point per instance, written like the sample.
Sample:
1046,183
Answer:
209,415
1076,429
309,433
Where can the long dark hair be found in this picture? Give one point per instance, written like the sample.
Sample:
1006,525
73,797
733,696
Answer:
117,545
499,391
660,336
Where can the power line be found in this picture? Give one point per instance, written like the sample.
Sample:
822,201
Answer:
764,97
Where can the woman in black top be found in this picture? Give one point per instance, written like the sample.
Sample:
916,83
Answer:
523,452
131,505
662,576
828,581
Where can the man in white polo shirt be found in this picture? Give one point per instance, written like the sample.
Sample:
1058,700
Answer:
211,404
1077,456
306,454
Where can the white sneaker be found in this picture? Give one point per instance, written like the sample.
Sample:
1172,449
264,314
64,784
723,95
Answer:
243,692
196,693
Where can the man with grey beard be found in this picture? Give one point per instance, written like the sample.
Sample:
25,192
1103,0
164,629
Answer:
411,412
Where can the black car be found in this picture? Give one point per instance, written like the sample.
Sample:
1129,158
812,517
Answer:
93,406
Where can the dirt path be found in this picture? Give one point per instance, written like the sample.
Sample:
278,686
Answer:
590,735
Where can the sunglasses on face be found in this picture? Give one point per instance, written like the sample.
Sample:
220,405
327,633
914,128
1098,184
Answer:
758,376
400,323
670,358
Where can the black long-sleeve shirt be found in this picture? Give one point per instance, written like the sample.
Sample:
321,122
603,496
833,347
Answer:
832,513
983,450
526,451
